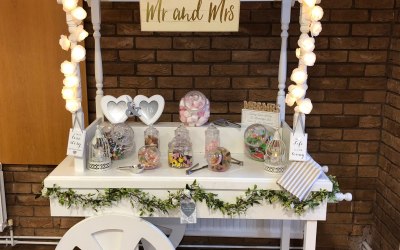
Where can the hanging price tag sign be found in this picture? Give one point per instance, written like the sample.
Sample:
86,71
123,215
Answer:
76,142
188,211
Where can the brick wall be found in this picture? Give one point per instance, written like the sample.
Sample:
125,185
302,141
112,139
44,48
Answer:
348,86
387,209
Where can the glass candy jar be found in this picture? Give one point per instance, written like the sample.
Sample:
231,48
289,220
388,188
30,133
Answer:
212,140
151,136
275,155
180,154
194,109
149,157
99,152
120,138
256,137
219,159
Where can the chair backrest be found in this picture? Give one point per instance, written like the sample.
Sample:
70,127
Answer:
113,232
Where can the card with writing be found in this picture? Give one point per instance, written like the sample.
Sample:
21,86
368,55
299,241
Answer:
188,211
76,142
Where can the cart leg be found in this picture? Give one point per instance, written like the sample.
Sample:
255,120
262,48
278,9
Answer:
285,235
310,234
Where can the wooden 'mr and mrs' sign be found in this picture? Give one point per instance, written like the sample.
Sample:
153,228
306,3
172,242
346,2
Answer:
189,15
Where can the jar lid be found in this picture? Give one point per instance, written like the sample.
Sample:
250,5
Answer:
212,130
194,100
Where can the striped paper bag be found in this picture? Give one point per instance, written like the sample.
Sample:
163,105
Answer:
299,177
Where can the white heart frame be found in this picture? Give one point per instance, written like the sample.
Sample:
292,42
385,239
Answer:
158,99
114,109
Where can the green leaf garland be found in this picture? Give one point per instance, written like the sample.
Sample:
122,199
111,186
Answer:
147,204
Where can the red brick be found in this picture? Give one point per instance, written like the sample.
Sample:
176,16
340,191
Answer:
265,43
175,82
191,42
250,56
368,56
327,108
117,69
264,69
136,82
383,4
262,95
349,15
36,222
153,42
191,70
154,69
370,122
362,109
166,93
212,56
344,96
116,15
229,43
375,70
371,29
328,83
331,56
345,70
175,56
29,176
116,42
18,188
361,134
382,15
229,69
338,146
137,55
324,134
19,211
250,83
339,121
368,147
228,95
375,96
212,82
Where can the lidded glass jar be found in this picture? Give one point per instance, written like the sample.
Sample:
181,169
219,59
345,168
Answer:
275,155
120,137
256,138
212,140
151,136
180,153
194,109
149,157
219,159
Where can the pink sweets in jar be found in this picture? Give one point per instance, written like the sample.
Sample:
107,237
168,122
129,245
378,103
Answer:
194,109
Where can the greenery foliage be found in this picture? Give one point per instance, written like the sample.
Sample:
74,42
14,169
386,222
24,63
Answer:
147,204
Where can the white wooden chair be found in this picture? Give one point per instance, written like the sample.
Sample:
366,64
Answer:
113,232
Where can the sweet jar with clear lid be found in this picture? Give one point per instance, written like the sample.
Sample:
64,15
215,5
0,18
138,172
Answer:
256,138
194,109
180,153
149,157
212,140
151,136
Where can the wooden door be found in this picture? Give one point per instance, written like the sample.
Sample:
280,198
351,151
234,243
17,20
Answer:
34,124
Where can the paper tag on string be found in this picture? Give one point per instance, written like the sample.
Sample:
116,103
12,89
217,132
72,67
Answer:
76,142
188,211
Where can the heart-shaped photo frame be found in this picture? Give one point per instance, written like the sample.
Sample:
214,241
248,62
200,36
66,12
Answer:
150,108
114,109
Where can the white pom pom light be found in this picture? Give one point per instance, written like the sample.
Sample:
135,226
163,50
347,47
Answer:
71,90
69,5
78,53
68,68
78,13
310,27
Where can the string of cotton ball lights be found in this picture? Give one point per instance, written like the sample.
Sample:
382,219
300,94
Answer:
71,91
311,14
